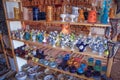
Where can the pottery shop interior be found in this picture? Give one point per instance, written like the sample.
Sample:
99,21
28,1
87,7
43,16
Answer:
59,39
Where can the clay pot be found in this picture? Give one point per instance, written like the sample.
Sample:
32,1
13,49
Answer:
92,16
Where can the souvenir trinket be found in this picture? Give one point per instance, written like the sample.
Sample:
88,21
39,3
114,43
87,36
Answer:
81,16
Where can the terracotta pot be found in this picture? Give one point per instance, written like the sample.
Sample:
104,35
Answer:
92,16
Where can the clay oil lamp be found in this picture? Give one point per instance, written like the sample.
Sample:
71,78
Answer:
21,76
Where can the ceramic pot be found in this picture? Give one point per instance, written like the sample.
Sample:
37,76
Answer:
21,76
92,16
80,71
32,73
72,69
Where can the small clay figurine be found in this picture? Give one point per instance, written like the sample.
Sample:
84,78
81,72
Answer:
111,13
81,17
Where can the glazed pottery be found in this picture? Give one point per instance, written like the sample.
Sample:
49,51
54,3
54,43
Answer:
88,73
53,64
21,76
80,71
72,69
27,35
92,16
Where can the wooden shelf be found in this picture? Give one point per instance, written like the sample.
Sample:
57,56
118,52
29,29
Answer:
13,0
86,53
65,72
59,22
57,70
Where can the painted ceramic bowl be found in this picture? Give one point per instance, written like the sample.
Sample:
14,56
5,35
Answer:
53,64
49,77
21,76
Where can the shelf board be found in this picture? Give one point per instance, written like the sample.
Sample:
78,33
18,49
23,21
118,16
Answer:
86,53
57,70
71,23
65,72
13,0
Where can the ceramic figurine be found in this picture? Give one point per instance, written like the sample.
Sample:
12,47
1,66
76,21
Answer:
27,35
75,10
45,37
33,35
40,37
34,52
101,48
82,46
81,16
112,13
17,34
21,35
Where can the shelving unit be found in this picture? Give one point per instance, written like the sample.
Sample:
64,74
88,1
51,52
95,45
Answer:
87,53
4,51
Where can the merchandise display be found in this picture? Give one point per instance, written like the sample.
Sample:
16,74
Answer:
61,39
